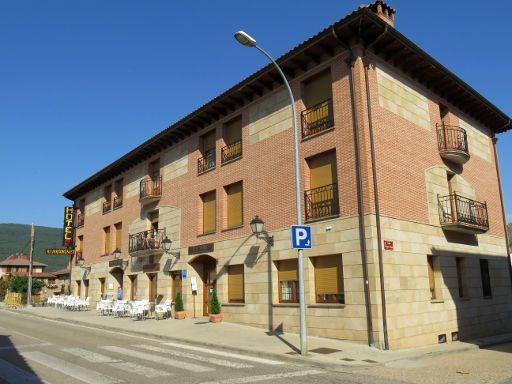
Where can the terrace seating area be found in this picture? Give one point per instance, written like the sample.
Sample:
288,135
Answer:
69,303
135,310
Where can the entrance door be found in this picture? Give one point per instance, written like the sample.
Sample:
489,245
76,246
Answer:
209,283
86,286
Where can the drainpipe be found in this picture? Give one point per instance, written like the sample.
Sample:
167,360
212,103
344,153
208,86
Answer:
494,141
362,236
376,191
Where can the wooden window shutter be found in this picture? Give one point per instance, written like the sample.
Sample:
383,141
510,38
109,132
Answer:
234,131
318,89
209,141
288,270
209,212
119,235
236,283
323,170
329,275
107,240
431,279
234,200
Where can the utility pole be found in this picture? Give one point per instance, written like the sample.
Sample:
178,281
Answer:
29,290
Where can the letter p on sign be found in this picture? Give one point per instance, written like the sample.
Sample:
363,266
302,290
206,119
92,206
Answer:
301,237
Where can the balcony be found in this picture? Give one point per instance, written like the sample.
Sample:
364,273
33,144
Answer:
118,202
231,152
452,142
146,243
150,190
207,162
317,119
460,214
321,202
107,206
79,220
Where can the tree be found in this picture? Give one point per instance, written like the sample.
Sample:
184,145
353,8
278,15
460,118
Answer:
3,289
19,284
214,304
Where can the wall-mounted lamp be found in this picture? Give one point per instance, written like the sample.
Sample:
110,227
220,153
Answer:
166,245
117,256
81,262
257,229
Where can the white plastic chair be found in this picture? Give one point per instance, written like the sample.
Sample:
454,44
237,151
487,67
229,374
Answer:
163,309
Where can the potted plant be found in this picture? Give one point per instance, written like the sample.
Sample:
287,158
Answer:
215,315
179,312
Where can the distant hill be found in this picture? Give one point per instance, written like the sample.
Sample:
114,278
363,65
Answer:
15,238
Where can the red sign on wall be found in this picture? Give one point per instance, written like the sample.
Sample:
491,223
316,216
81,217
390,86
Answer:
388,245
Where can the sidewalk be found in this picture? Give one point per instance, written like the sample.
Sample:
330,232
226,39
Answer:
327,353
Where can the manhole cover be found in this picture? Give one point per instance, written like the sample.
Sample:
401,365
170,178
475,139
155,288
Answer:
325,351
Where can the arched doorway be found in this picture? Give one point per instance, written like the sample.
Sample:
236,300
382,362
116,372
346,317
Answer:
206,266
118,274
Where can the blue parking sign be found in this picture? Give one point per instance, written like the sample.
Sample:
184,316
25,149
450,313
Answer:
183,273
301,237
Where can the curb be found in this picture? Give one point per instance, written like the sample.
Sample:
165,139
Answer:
307,361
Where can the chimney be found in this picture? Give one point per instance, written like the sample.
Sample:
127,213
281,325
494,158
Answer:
23,257
384,11
10,257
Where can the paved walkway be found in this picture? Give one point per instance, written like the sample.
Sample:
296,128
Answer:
232,337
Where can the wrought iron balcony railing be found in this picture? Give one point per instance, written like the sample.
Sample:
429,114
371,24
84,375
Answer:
118,202
452,142
317,118
146,241
150,188
462,214
231,152
79,220
322,202
107,206
206,162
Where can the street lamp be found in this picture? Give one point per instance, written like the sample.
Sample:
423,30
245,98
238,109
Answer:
166,244
117,254
257,229
244,39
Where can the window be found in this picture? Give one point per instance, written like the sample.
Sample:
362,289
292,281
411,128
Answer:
176,283
86,288
486,278
133,286
318,115
78,287
322,198
154,174
207,161
329,279
209,207
431,277
288,284
233,140
107,195
119,235
153,286
118,192
106,244
234,205
459,263
102,287
236,283
51,281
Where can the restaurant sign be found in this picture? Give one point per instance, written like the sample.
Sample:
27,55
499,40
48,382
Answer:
115,263
203,248
68,238
60,251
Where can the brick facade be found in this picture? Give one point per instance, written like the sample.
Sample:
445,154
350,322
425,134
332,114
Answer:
410,173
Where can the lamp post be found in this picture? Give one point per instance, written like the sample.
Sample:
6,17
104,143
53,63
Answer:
244,39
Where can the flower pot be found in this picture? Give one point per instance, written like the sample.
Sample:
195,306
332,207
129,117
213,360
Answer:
216,318
180,315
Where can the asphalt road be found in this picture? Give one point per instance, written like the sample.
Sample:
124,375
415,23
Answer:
34,350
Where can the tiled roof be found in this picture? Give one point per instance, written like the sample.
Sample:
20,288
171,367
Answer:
20,262
41,275
61,272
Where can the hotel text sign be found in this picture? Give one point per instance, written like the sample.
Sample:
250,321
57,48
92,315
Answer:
60,251
68,227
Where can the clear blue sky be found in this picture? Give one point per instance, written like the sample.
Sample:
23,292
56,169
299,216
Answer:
84,82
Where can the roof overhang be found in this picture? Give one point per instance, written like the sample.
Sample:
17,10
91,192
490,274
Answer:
361,27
